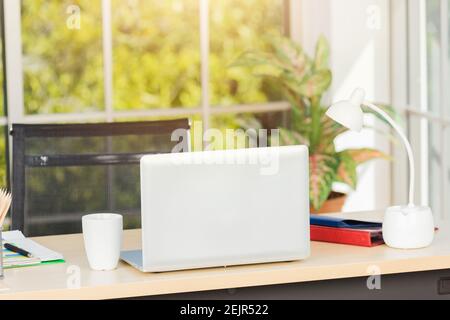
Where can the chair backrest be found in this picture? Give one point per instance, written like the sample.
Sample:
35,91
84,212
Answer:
62,172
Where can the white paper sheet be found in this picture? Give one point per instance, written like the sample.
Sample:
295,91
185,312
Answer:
41,252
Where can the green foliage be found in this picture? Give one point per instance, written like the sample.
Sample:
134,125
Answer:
361,156
322,168
322,54
347,169
303,81
237,26
349,161
156,53
314,85
62,66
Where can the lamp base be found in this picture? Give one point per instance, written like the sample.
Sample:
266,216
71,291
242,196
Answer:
408,227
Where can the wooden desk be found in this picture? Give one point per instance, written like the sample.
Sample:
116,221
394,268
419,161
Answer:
328,261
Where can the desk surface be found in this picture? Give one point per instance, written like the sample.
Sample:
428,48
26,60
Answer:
328,261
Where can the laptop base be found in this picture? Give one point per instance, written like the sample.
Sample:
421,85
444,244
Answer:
133,258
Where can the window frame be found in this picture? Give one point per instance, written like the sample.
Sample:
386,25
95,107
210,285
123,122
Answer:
410,90
14,73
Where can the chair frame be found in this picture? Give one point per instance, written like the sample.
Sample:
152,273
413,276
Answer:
22,132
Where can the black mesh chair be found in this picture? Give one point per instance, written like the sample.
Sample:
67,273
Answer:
61,172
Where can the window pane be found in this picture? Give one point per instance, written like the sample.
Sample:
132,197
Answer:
63,66
435,167
237,26
156,54
433,76
436,133
433,53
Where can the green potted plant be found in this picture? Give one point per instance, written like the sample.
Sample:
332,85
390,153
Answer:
303,80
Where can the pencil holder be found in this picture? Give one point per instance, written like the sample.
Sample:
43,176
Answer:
1,254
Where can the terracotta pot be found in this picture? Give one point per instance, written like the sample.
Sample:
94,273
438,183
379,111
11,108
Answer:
335,203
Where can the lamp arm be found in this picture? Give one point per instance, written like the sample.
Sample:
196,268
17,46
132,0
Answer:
407,144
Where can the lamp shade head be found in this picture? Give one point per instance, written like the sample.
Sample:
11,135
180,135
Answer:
348,112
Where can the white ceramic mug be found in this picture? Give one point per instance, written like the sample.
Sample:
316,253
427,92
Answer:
102,235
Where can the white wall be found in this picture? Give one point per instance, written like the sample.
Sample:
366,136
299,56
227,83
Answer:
358,32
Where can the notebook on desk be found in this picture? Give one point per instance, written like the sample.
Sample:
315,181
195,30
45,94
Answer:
337,222
346,231
41,254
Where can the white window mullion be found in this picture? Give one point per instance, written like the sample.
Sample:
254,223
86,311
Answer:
444,76
253,108
152,113
444,99
429,117
418,93
399,92
64,117
423,103
204,58
107,59
13,67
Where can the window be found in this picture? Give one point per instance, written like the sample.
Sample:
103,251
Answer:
108,60
429,99
233,30
438,75
156,47
62,63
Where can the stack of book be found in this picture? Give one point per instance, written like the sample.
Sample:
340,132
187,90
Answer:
40,254
345,231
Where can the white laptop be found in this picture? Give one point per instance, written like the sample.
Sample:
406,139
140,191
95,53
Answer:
223,208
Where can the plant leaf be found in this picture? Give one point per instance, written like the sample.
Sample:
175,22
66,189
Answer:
292,56
290,138
387,108
262,63
314,85
361,156
347,170
251,59
392,138
322,54
249,123
323,170
330,130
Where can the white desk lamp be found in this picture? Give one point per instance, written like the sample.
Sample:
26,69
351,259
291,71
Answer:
404,227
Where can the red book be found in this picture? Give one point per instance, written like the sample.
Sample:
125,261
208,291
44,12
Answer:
355,237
